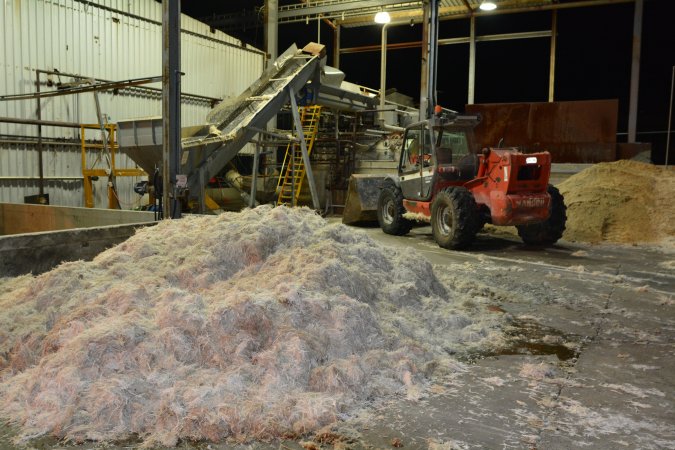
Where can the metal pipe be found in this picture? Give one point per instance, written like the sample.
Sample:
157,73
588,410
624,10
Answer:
49,143
145,88
82,89
49,123
554,40
424,82
271,28
433,56
336,46
39,132
670,114
383,71
43,178
635,71
450,41
254,181
472,61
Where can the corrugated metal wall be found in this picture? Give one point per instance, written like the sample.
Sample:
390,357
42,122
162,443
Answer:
105,39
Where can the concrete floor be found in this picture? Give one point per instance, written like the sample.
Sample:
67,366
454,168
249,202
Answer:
614,308
592,363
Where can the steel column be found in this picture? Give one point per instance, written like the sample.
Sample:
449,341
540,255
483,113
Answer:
635,72
303,148
272,29
336,46
670,114
170,106
433,56
554,40
254,181
424,82
383,71
41,183
472,61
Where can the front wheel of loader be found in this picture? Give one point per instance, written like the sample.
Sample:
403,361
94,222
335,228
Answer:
390,212
549,231
454,218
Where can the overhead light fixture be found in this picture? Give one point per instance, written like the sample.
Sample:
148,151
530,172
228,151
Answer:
382,17
488,5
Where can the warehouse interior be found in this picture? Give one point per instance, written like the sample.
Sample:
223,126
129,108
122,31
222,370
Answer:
337,224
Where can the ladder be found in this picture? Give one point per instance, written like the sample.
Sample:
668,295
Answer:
293,169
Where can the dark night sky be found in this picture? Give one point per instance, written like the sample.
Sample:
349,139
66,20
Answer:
593,58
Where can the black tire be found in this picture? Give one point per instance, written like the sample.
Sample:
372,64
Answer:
454,218
549,231
390,212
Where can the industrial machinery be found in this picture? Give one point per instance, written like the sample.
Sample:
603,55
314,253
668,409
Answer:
442,180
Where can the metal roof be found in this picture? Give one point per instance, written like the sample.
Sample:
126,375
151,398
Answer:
360,12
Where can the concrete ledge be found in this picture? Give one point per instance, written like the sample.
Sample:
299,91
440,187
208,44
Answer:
40,252
18,218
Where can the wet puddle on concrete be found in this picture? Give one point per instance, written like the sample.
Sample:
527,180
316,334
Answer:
527,337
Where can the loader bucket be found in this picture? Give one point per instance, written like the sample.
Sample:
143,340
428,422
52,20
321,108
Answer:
361,201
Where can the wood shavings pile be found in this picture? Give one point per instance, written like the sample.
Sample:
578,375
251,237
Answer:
254,325
622,202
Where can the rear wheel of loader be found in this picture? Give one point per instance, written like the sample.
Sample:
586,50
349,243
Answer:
390,212
454,218
549,231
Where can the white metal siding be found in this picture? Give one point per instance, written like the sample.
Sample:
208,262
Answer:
107,39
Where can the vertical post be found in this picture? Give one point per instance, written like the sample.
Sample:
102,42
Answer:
254,181
272,50
670,114
424,86
41,181
472,61
336,46
635,71
383,72
554,40
318,29
271,28
433,56
303,148
170,105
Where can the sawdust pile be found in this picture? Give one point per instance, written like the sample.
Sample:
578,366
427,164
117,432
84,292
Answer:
622,202
266,323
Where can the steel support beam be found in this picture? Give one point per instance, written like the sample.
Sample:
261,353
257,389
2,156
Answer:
433,56
472,61
635,72
39,132
171,122
272,29
670,114
383,71
424,82
336,46
554,40
459,12
303,149
449,41
254,181
304,10
47,123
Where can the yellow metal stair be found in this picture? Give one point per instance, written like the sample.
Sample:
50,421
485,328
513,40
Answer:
293,169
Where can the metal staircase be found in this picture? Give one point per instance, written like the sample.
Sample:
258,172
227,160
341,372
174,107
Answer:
293,169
